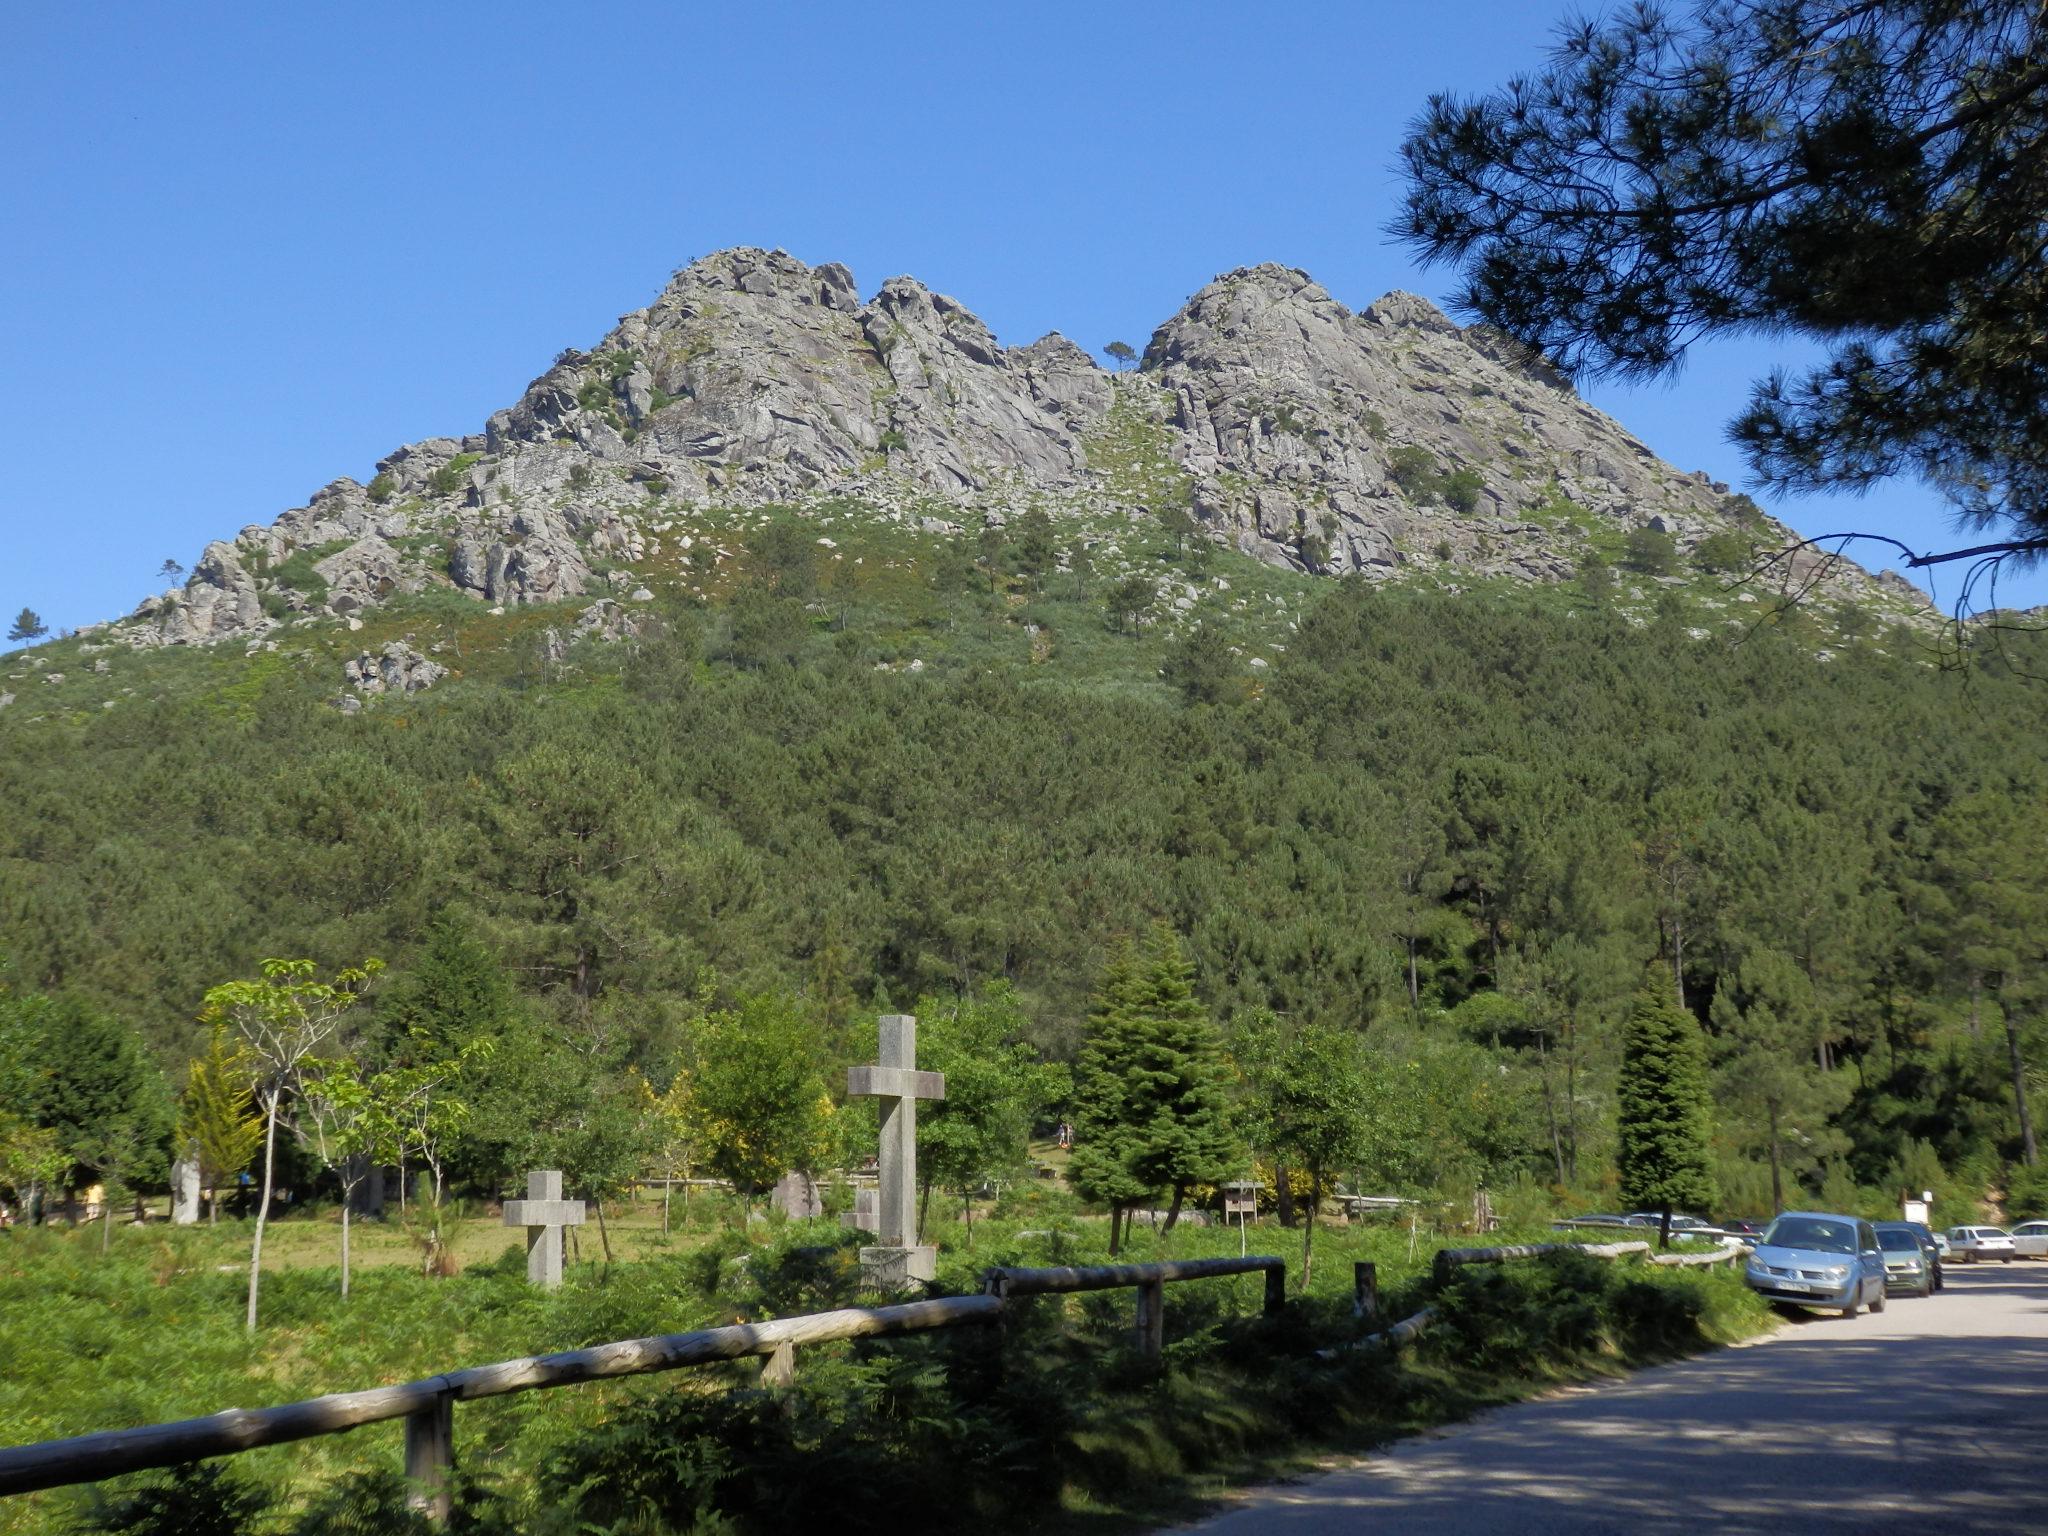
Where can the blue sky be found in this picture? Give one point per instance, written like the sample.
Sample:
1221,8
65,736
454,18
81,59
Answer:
252,248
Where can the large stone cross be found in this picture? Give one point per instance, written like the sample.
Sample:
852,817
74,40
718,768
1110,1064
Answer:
899,1085
544,1213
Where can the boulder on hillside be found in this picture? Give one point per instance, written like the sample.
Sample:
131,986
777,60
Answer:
218,602
398,668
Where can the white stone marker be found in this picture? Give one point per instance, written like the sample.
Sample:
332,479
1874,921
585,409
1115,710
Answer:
184,1191
544,1213
899,1085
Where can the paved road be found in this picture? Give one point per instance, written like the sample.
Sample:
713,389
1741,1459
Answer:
1931,1417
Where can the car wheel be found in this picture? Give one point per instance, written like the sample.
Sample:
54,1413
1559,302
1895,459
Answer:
2005,1258
1855,1306
1878,1305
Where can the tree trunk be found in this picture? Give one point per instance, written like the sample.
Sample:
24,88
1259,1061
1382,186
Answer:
1173,1211
1308,1227
967,1217
667,1188
1677,946
348,1196
107,1218
604,1233
1664,1228
1283,1196
2029,1153
270,1108
1550,1113
1777,1176
1116,1220
1571,1094
1414,982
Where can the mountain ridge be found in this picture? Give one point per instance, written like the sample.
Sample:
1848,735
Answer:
1383,443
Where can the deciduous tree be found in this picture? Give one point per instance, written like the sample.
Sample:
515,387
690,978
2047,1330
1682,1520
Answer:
283,1020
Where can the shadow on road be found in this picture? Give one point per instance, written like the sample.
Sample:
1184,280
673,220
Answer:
1928,1417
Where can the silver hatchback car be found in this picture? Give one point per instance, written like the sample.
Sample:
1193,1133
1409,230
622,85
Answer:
1819,1259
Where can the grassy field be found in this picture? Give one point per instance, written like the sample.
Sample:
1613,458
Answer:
152,1331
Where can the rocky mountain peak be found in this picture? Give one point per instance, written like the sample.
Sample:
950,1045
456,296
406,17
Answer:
1294,429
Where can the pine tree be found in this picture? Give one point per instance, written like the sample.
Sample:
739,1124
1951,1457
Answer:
1661,1148
1151,1096
218,1119
1180,1079
28,625
1104,1167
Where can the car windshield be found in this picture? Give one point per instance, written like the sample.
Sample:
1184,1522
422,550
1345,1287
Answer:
1815,1232
1897,1240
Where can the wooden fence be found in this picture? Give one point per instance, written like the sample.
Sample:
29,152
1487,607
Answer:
428,1407
1449,1259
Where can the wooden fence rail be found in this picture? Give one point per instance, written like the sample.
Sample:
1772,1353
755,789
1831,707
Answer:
1448,1259
1150,1282
427,1406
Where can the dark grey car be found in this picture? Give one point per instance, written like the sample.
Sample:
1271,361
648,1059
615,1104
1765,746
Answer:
1907,1269
1930,1251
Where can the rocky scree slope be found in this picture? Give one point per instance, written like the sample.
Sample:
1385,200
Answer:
1381,442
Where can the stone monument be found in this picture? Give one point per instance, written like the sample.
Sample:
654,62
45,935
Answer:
796,1196
898,1259
184,1191
544,1213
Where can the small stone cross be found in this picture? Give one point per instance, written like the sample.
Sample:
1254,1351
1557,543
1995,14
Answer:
899,1085
544,1213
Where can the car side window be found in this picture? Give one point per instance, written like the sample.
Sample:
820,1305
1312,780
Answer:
1867,1236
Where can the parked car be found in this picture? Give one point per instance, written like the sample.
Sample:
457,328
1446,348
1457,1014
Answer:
1679,1221
1739,1227
1933,1242
1970,1244
1819,1259
2030,1239
1909,1264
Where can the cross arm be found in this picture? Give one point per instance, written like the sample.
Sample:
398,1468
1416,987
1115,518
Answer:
544,1213
894,1083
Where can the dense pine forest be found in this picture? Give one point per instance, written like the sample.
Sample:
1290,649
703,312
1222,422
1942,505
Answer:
1466,824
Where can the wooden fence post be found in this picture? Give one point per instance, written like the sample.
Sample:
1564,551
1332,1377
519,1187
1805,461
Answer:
779,1369
1276,1290
430,1457
1151,1333
1365,1289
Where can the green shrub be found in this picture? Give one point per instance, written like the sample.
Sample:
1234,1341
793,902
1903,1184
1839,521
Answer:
447,480
297,572
1460,490
1415,471
1723,553
2026,1192
206,1499
1650,552
382,487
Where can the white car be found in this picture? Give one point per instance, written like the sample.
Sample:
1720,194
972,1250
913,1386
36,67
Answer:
1973,1243
2030,1239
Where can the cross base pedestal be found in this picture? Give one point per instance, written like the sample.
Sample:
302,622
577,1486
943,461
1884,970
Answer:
897,1269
